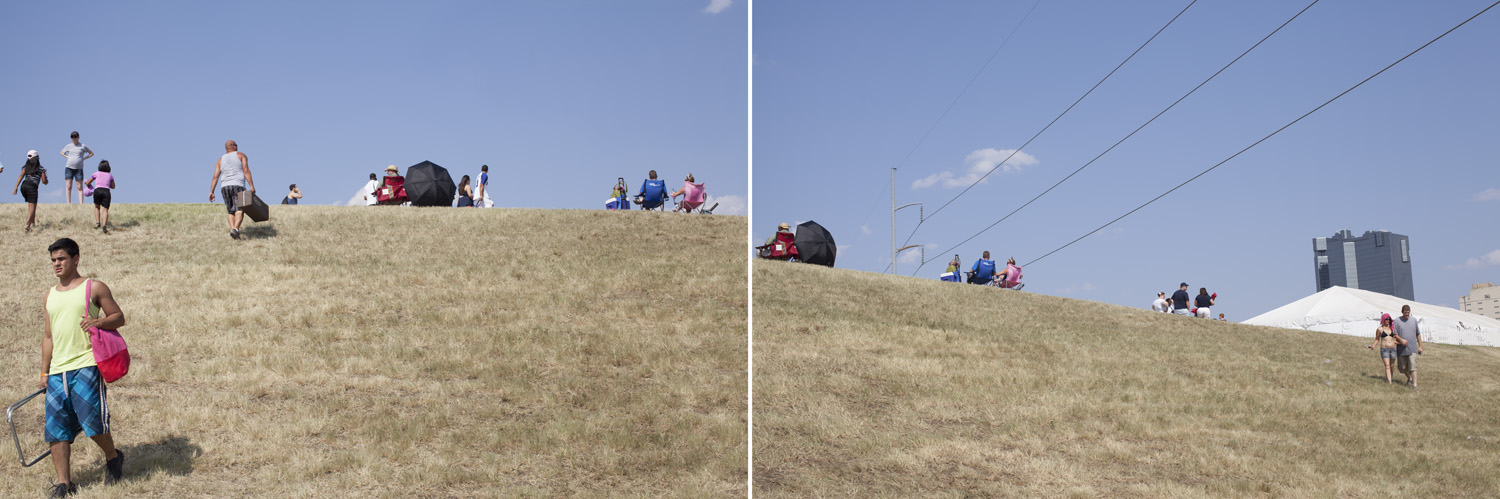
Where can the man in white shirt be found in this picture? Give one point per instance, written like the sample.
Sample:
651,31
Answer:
76,152
1160,305
370,187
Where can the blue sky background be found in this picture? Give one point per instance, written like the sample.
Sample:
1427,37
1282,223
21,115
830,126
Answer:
843,91
558,98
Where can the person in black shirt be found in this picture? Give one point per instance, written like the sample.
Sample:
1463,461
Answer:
1203,302
1180,301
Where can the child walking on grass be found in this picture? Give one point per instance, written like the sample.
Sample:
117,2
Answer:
1388,340
102,183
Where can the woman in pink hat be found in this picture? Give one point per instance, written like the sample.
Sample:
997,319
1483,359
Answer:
32,175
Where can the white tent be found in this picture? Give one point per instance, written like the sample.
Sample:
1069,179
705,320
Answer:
1356,312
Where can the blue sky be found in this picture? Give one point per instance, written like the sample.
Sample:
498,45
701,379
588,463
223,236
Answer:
558,98
844,91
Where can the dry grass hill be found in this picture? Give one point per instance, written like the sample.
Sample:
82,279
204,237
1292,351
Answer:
869,385
401,352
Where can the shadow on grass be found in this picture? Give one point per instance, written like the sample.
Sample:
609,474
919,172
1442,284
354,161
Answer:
172,455
259,231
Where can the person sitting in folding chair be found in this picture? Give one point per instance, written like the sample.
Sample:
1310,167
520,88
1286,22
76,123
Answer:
653,193
1010,278
781,246
983,271
693,195
392,188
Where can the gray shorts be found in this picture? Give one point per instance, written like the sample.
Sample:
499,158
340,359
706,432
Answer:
231,197
1387,353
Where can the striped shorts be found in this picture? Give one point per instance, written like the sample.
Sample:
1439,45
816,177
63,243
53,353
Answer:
231,197
76,402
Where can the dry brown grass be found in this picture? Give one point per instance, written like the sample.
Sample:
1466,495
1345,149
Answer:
399,352
873,385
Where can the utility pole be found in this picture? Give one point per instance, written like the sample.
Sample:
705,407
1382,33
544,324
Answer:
894,209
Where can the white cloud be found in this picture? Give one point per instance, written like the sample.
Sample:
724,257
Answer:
980,162
865,229
717,6
1087,286
358,199
728,205
841,248
1488,259
1491,194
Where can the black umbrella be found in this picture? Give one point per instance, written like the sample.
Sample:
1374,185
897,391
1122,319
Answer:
428,184
815,244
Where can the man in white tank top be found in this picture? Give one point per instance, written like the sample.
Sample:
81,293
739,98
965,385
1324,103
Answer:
235,168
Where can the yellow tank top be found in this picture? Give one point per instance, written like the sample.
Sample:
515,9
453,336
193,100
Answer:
71,348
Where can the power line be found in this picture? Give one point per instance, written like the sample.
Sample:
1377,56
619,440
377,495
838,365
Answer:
1143,125
1263,139
956,98
1065,111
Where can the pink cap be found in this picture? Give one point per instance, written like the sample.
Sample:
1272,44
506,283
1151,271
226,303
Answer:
31,154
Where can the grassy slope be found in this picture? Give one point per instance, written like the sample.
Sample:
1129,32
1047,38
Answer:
873,385
403,352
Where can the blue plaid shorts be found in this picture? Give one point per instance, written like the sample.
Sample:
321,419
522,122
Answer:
76,402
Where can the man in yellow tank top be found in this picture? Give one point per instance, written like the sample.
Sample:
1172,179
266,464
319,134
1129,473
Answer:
76,398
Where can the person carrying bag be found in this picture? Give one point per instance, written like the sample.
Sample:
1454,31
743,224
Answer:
110,352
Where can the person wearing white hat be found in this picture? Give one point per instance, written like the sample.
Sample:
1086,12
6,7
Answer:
27,182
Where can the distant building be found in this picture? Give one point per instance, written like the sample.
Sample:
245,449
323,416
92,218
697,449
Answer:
1483,299
1377,261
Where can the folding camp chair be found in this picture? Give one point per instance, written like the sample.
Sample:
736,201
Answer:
653,195
10,417
693,198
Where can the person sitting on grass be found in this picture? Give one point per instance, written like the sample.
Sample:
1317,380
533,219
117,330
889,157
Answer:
293,196
76,400
102,184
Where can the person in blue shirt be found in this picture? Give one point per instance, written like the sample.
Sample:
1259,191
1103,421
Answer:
983,270
653,192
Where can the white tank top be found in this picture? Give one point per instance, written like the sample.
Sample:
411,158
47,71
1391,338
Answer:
231,171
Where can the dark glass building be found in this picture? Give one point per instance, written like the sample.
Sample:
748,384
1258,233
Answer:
1377,261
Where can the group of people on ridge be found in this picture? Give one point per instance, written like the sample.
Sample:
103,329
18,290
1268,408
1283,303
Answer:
985,271
99,185
391,190
653,194
1182,304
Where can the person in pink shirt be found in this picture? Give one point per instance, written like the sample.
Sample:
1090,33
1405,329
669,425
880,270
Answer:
692,195
102,184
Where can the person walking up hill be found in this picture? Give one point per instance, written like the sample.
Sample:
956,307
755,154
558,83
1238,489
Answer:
32,176
103,184
235,168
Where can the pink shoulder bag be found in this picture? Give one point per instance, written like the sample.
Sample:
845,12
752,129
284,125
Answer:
110,352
